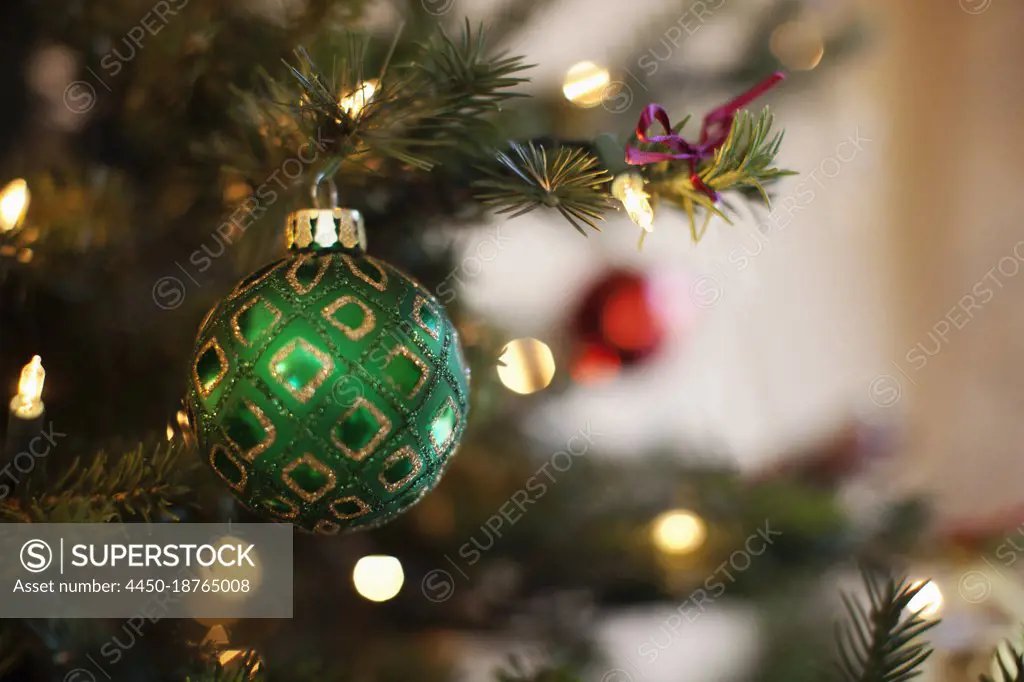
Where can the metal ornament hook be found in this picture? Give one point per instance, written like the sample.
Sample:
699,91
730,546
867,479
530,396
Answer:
329,228
314,191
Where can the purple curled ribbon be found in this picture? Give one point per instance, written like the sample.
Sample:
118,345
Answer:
713,134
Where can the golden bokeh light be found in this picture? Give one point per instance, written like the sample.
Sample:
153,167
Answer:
354,102
585,84
217,571
927,603
798,45
678,531
14,200
378,577
526,366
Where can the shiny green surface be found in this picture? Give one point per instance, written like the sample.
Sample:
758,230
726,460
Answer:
328,390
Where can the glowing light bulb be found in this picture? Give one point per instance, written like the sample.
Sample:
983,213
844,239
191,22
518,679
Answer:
354,102
527,366
928,601
378,577
629,189
239,572
170,432
14,200
678,531
28,403
585,84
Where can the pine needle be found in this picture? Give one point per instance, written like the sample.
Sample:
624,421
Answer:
1011,665
568,179
745,162
877,643
439,98
141,482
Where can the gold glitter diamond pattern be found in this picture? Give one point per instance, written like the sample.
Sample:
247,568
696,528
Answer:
305,392
404,452
356,333
415,359
417,309
380,283
237,487
212,343
292,277
269,430
382,433
293,509
237,330
443,447
363,508
326,527
318,466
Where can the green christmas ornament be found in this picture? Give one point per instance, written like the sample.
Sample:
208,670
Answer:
329,388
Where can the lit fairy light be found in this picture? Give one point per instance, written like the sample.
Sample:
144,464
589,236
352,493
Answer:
928,601
241,579
28,403
678,531
378,577
354,102
629,189
526,366
14,200
585,84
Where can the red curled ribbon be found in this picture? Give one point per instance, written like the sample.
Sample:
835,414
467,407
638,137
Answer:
713,133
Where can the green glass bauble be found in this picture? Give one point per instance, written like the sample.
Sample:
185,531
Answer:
329,388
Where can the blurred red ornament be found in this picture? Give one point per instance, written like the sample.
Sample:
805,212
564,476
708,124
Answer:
616,326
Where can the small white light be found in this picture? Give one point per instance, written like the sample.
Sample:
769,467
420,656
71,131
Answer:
378,577
354,102
629,189
14,200
678,531
28,403
928,601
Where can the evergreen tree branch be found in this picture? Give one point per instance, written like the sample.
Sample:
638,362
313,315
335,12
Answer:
1011,665
566,178
438,99
142,482
745,162
878,644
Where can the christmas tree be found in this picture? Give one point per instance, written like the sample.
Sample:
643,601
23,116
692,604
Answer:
231,291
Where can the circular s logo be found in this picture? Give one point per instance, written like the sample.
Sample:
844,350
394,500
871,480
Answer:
36,556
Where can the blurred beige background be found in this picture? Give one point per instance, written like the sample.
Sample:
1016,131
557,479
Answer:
849,300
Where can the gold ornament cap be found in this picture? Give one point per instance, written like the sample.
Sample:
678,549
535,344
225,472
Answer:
325,229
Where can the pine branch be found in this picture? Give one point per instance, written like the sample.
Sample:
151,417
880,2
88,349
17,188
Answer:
467,80
567,178
141,482
878,645
747,158
1011,670
745,162
438,99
